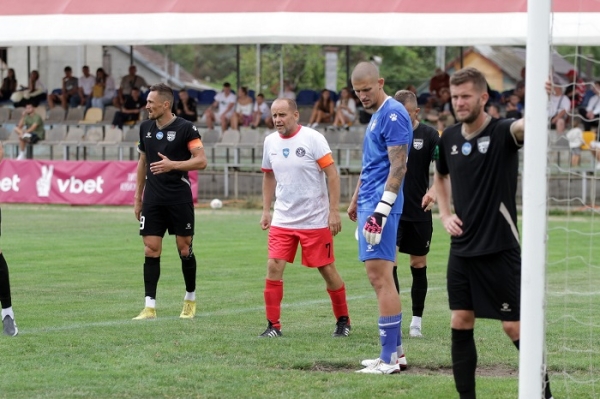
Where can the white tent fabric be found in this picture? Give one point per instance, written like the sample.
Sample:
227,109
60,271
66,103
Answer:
334,22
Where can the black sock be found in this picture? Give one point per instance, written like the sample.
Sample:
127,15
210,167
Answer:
188,268
547,392
418,291
395,274
4,284
464,362
151,275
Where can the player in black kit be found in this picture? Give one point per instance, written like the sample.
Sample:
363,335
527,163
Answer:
169,148
478,168
415,227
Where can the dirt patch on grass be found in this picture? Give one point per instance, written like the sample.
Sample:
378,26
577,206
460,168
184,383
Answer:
483,371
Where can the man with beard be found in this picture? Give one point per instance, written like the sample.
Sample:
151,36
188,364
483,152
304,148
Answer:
478,168
169,148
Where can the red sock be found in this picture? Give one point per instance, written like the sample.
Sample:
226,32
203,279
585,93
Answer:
338,302
273,296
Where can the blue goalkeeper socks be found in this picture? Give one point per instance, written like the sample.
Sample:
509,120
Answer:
389,334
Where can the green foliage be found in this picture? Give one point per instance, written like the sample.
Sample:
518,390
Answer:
76,275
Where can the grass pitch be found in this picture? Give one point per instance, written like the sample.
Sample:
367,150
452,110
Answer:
76,276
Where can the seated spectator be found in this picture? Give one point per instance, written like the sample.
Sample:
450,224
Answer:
578,88
186,107
262,113
591,113
345,107
30,129
287,92
493,110
513,107
444,103
323,110
9,86
439,81
128,83
104,89
558,109
70,91
574,98
224,105
243,109
86,84
130,111
34,93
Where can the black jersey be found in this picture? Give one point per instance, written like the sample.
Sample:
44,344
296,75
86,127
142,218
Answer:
483,174
172,141
416,181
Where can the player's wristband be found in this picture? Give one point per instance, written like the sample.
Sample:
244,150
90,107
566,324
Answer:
385,204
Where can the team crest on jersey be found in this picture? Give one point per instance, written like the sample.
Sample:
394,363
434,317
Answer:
171,135
393,117
417,144
300,152
286,152
159,135
194,127
483,144
454,150
466,148
148,135
373,124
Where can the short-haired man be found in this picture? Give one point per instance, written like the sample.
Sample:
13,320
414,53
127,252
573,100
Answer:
69,94
296,160
9,327
377,205
129,82
261,113
416,227
478,168
169,148
225,105
30,129
186,107
86,85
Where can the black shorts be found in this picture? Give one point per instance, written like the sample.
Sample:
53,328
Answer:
489,285
177,219
414,238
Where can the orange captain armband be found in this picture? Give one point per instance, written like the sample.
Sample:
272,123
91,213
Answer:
325,161
196,143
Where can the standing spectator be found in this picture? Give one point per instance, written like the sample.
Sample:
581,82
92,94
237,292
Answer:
86,84
261,113
345,109
9,327
9,86
416,227
225,105
30,129
128,83
169,148
377,204
306,211
35,92
323,110
439,80
104,90
591,113
186,107
130,111
478,169
69,94
243,109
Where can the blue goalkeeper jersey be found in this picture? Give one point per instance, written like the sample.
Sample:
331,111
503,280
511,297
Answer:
389,126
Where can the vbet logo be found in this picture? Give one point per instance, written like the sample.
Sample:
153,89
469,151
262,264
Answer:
72,185
10,183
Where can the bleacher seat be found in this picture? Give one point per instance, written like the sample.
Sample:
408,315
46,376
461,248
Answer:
72,139
229,140
74,116
4,114
91,138
307,97
4,133
109,114
53,137
193,93
333,95
210,137
207,97
113,136
15,115
41,111
130,140
92,116
55,116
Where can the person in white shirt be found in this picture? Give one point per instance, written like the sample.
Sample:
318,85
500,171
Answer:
243,109
86,84
296,160
261,113
559,105
345,110
591,113
225,105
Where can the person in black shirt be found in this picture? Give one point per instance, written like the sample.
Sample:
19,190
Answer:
415,227
478,168
169,148
130,111
186,107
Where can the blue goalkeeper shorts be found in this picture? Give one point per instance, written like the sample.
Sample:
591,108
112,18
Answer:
386,249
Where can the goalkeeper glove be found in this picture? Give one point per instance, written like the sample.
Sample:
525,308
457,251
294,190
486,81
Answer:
373,227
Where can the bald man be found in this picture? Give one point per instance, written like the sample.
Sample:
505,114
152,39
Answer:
377,205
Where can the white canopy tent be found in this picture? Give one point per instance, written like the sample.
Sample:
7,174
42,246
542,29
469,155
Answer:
333,22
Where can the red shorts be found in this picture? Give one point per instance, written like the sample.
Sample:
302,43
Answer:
317,245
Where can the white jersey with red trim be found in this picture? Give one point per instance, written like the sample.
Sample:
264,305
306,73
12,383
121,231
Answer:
297,162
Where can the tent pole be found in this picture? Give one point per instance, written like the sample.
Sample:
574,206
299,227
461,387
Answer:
28,61
462,58
348,66
130,55
237,66
258,62
281,88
